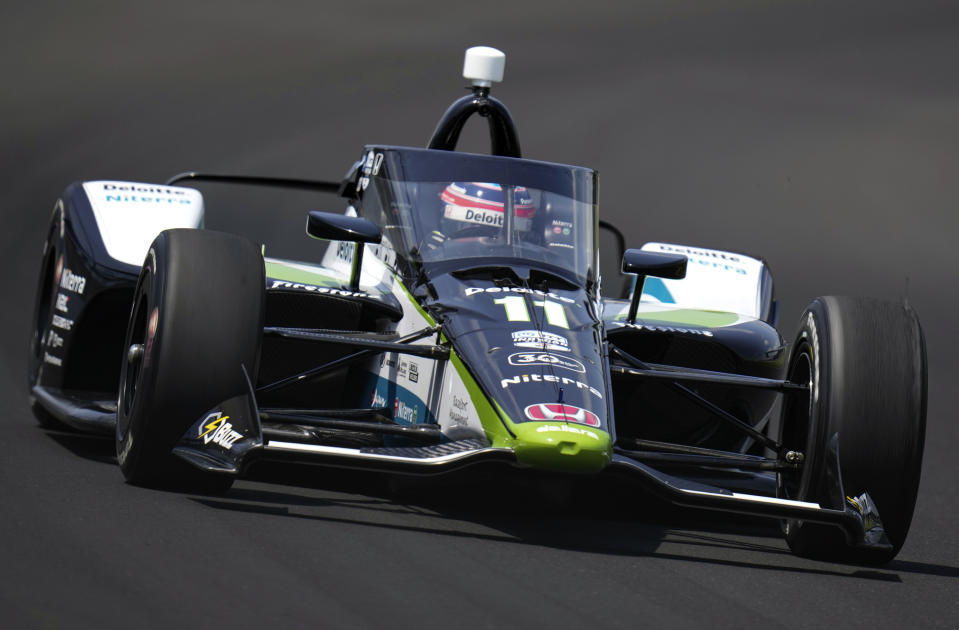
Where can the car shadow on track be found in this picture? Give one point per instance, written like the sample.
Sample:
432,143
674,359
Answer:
96,448
606,516
514,507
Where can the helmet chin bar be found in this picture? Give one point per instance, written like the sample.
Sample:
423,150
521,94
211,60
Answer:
482,66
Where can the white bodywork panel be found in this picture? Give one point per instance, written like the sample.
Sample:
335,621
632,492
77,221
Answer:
715,281
130,215
420,383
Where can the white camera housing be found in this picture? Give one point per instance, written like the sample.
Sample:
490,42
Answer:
484,65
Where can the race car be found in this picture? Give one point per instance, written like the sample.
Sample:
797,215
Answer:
458,317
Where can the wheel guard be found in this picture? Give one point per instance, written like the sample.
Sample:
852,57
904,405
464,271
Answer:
870,532
221,439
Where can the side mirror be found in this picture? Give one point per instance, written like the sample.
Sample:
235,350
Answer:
340,227
658,265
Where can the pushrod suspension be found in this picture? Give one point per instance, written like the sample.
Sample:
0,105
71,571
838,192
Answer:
719,412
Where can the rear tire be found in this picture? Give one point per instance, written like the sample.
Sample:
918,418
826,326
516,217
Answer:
198,313
865,361
42,315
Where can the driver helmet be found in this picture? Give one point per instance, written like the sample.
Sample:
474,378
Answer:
468,205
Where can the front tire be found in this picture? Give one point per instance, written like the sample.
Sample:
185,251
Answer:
865,362
196,322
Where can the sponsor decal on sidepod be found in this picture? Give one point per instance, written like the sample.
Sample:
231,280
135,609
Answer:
402,411
54,340
145,194
62,322
71,281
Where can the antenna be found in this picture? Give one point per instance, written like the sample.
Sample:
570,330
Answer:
483,66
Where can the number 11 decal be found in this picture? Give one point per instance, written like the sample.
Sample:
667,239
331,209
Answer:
516,310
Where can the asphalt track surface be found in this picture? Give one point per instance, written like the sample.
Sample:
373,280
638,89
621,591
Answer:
822,135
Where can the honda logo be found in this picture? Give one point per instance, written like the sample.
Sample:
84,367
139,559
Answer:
558,412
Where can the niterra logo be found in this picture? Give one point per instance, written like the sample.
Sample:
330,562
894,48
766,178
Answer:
402,411
148,199
549,378
216,429
72,282
145,194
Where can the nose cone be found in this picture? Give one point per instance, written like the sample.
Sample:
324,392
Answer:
562,446
537,357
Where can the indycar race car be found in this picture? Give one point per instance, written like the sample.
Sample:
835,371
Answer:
458,317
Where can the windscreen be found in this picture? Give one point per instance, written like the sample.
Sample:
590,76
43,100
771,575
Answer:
468,210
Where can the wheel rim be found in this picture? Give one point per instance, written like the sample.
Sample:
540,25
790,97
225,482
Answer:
132,366
796,422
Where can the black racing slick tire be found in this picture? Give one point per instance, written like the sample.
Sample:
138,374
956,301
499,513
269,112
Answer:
42,313
195,325
865,362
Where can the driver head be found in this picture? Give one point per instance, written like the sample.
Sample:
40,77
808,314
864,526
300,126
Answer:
474,206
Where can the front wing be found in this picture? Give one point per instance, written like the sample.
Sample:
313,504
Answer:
231,437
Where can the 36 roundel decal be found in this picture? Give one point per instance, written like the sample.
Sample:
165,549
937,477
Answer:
546,358
558,412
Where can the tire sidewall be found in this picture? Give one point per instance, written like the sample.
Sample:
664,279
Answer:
133,435
815,342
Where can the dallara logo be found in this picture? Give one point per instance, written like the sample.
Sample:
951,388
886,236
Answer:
546,358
